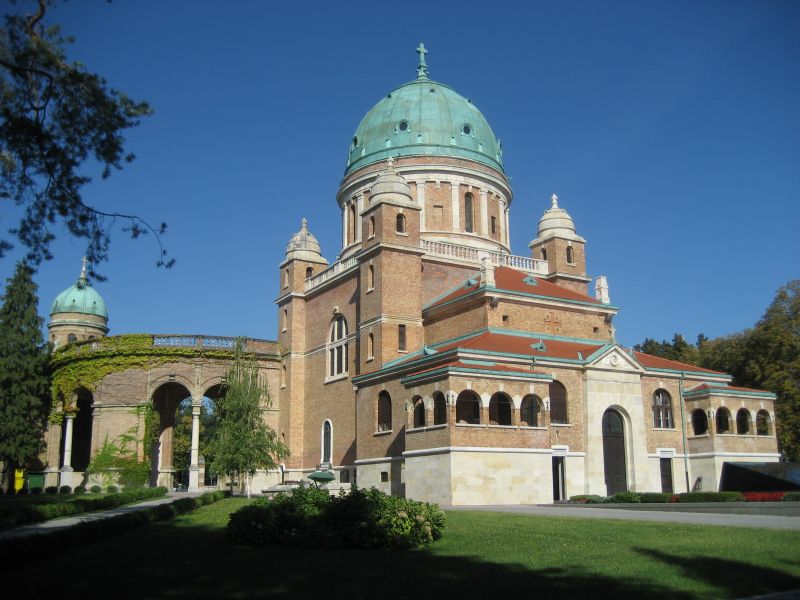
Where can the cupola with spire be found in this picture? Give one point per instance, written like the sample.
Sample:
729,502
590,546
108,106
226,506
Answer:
303,259
78,313
558,243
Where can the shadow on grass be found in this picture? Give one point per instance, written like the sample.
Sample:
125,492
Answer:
738,578
177,562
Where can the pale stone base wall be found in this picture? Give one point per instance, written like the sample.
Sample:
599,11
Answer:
428,477
710,467
369,475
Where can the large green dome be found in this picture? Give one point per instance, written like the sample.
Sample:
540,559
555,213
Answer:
424,118
81,298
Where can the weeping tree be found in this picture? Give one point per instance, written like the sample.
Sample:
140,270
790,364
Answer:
243,442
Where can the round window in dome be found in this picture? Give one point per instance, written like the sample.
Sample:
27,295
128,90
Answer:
403,125
466,129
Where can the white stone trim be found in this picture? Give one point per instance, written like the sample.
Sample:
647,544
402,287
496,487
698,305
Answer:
735,455
376,461
449,449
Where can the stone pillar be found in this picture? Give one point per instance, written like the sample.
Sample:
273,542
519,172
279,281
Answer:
194,467
344,226
421,202
359,210
484,213
66,467
456,206
506,210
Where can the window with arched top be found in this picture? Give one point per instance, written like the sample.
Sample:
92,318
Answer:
723,420
372,227
743,421
384,411
530,410
370,346
469,223
72,338
662,410
285,324
352,225
337,347
699,422
558,403
327,441
468,408
570,255
283,376
762,423
309,272
400,223
370,277
439,409
500,409
544,254
286,278
419,412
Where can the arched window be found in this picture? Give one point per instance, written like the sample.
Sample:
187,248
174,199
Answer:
762,423
662,410
384,411
419,412
439,409
370,278
72,338
723,420
337,347
309,272
283,376
285,325
530,409
494,225
743,421
558,403
400,223
352,224
468,408
370,346
372,227
286,278
499,409
544,254
468,213
570,255
699,422
327,441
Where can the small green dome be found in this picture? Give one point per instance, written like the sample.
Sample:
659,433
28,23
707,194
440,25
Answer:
424,118
81,298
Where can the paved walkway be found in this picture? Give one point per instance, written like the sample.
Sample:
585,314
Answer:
585,512
63,522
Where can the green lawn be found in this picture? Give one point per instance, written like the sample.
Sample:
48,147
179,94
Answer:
482,555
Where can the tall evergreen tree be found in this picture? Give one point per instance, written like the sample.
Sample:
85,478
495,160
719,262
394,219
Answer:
24,374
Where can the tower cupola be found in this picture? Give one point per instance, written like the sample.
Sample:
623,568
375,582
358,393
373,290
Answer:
78,313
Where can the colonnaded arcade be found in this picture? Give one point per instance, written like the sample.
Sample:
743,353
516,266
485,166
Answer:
492,378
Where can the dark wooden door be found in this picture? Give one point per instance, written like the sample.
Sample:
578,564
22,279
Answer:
614,452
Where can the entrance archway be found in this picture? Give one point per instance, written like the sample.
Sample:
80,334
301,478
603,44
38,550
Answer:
614,452
166,400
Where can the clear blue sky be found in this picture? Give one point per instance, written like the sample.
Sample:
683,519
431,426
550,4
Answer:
669,130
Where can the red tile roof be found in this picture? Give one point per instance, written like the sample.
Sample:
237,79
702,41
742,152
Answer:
721,386
656,362
511,280
493,367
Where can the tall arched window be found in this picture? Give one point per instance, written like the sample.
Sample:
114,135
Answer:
372,227
530,410
419,412
468,408
384,411
72,338
570,255
762,423
400,223
699,422
662,410
327,441
558,403
352,224
337,347
500,409
283,376
370,278
439,409
309,272
544,254
286,278
723,420
469,224
370,346
743,421
285,325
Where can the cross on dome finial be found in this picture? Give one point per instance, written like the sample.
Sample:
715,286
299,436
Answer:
422,68
554,199
304,223
83,268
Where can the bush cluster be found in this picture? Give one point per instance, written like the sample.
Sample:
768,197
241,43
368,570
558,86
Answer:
13,515
361,519
21,551
791,497
96,489
710,497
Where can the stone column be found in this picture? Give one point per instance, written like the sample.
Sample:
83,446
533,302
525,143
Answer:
506,210
194,467
421,202
66,467
456,206
359,210
484,212
344,226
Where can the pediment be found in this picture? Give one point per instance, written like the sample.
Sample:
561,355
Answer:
615,358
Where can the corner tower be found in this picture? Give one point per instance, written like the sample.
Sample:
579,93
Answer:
78,313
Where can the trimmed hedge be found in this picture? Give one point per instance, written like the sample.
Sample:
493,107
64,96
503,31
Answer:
655,497
791,497
625,498
587,499
24,550
310,517
710,497
12,515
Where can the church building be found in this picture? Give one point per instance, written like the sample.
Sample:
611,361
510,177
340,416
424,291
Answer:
430,362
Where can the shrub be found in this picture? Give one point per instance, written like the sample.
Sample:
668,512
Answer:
791,497
23,492
65,489
80,490
763,496
36,491
625,498
96,489
51,489
361,519
710,497
112,489
655,497
587,499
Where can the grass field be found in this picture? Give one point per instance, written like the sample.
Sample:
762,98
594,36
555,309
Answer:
482,555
